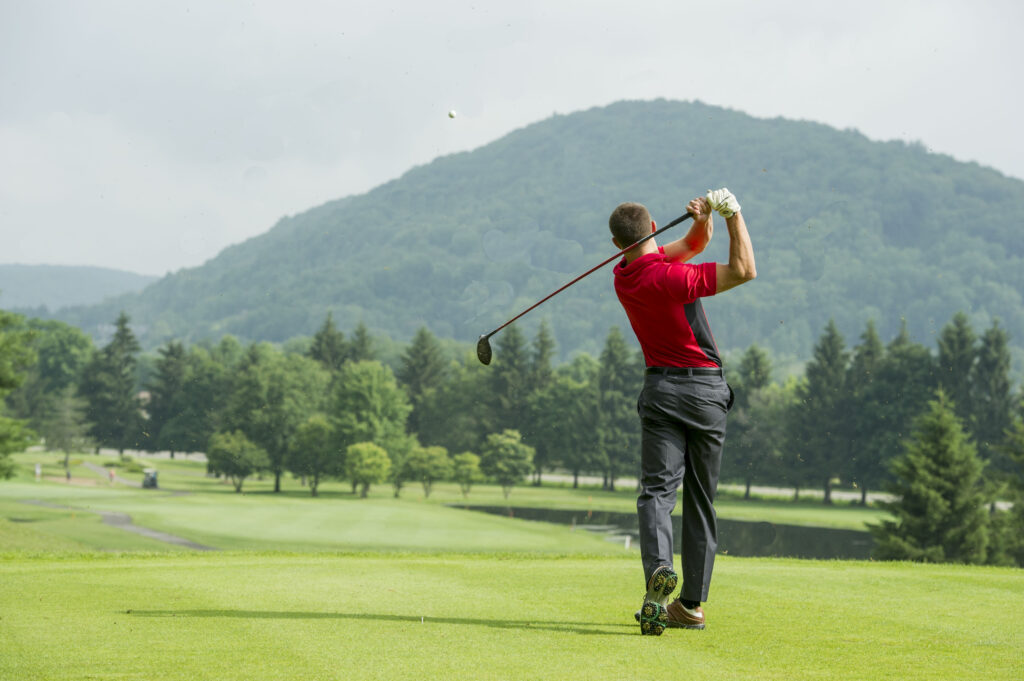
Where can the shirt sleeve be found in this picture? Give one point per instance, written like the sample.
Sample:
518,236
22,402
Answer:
686,282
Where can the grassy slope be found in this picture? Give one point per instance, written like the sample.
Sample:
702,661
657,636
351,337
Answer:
357,616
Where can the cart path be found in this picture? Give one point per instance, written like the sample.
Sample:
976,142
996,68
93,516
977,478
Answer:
124,522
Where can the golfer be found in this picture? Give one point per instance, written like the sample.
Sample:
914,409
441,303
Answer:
684,400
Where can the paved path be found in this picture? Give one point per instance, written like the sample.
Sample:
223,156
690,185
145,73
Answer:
124,522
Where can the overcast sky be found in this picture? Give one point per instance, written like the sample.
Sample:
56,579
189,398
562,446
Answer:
147,136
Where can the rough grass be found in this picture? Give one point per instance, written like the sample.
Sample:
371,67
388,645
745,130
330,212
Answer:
358,616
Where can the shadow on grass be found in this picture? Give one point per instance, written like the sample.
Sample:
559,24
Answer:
571,627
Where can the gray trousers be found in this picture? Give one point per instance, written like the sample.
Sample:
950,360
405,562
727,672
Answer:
683,420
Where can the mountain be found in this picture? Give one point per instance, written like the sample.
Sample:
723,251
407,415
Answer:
843,227
57,286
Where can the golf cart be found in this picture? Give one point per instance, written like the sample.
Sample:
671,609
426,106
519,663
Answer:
149,478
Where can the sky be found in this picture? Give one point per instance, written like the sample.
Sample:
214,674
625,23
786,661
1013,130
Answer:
148,136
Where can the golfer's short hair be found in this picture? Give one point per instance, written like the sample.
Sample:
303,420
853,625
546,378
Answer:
629,223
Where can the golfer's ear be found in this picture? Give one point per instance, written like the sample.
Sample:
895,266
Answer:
654,226
616,242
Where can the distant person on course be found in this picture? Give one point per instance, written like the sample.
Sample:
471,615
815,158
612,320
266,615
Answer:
684,400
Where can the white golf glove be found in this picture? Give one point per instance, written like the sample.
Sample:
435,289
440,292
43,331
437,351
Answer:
722,201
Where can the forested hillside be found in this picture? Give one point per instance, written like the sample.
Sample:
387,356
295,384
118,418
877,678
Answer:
843,227
56,286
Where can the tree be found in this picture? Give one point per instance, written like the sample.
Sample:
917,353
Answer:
272,395
423,370
328,346
361,348
820,417
366,464
62,351
16,357
864,411
991,404
510,381
939,510
466,471
541,376
617,425
428,465
64,428
314,453
166,397
505,459
1013,449
369,406
957,355
905,379
108,386
564,422
235,456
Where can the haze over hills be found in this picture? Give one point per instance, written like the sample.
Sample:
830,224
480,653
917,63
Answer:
57,286
843,227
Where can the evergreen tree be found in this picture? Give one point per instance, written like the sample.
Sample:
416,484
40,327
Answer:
108,387
328,346
564,422
361,349
166,397
906,378
1013,449
939,510
820,417
510,381
617,425
991,404
460,414
423,371
755,439
541,356
865,415
957,355
541,377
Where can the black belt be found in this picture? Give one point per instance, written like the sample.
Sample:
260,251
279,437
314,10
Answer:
684,371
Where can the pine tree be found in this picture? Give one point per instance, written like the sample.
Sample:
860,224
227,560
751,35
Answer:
328,346
940,513
361,348
166,397
864,414
617,425
991,404
541,379
510,381
820,419
423,371
108,387
752,444
957,355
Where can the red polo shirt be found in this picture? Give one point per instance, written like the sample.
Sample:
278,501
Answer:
662,300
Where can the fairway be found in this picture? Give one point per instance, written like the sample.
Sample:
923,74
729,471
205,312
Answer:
451,616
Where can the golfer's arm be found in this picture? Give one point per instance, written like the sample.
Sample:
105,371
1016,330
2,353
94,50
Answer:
741,256
695,241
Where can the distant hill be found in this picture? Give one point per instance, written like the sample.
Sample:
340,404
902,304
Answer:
842,226
57,286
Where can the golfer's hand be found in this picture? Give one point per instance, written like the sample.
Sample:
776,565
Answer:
723,202
699,209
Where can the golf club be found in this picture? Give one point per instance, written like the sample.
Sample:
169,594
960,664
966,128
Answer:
483,345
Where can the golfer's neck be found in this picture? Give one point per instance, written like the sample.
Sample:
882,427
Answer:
649,246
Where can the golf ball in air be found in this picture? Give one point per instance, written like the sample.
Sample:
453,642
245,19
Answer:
451,114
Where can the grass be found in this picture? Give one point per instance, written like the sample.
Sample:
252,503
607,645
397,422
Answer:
358,616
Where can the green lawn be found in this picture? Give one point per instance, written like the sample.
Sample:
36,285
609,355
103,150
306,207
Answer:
358,616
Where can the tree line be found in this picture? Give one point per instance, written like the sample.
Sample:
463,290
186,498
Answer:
330,408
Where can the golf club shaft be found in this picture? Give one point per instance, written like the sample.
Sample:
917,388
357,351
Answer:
593,269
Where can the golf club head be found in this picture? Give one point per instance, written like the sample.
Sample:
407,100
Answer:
483,349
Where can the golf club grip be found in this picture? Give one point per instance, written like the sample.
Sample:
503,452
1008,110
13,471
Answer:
681,218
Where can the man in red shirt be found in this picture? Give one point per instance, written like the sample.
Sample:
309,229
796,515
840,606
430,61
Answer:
685,398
